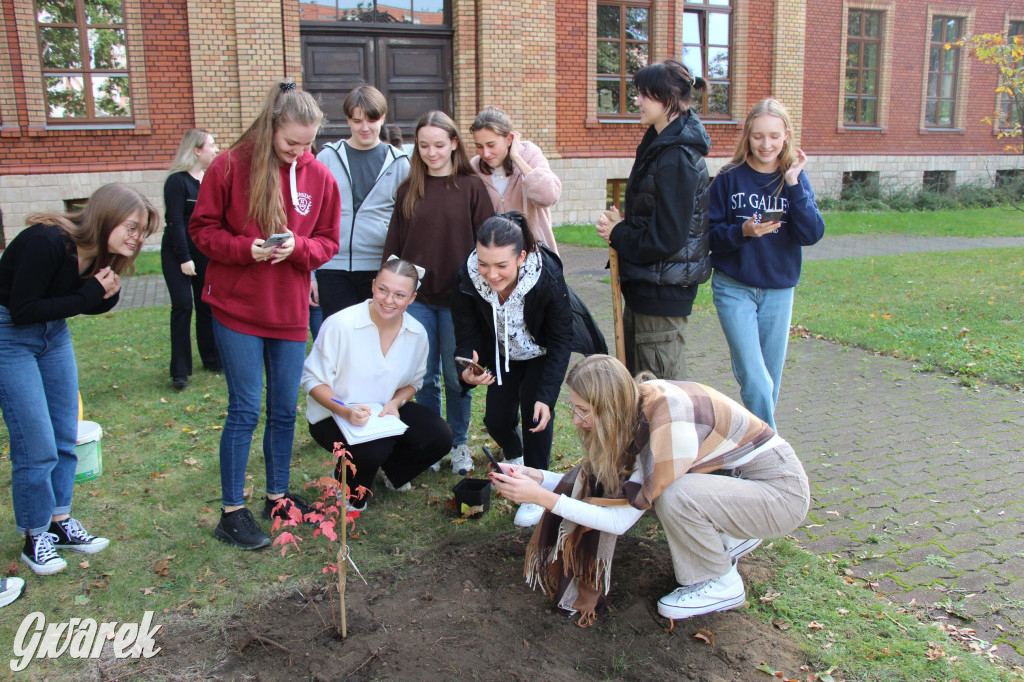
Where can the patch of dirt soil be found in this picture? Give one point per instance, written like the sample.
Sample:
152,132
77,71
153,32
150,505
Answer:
463,612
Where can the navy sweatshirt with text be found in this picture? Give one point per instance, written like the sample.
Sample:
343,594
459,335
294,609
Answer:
773,260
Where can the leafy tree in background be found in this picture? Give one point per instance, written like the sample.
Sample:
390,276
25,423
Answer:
1007,55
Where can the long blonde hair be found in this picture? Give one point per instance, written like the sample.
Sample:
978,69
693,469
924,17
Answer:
90,227
193,139
418,167
284,103
614,397
770,107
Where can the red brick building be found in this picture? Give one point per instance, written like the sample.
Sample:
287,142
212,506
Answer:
101,90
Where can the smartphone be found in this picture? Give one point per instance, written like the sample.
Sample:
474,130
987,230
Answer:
771,216
466,363
490,456
275,240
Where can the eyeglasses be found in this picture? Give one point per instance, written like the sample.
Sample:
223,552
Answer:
575,412
396,296
131,229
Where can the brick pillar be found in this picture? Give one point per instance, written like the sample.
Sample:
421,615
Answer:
505,57
214,55
788,59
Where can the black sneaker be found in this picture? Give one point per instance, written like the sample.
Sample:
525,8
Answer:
179,382
241,530
271,511
71,535
40,554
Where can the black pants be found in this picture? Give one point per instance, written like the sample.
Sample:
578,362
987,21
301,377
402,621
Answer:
185,292
403,458
507,402
340,288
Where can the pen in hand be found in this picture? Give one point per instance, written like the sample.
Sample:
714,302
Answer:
357,409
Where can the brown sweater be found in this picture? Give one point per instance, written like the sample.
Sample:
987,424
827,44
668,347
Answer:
441,233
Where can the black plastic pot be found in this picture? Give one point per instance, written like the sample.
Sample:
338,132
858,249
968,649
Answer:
474,492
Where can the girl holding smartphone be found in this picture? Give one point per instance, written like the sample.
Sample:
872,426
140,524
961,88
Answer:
511,312
762,212
267,216
438,210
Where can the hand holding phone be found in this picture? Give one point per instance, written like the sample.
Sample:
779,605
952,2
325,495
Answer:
275,240
490,456
771,216
472,365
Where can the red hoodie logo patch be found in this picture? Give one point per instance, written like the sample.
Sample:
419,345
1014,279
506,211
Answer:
305,203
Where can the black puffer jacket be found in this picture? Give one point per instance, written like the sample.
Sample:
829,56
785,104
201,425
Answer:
663,241
546,313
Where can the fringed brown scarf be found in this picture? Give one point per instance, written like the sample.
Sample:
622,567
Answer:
572,563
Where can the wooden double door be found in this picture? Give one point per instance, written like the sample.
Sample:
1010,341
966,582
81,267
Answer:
411,67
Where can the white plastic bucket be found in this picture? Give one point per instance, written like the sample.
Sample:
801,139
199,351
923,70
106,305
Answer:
89,451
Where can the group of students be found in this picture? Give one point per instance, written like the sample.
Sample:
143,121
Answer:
424,258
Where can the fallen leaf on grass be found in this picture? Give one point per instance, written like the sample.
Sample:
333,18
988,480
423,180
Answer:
83,564
815,625
769,597
81,600
12,568
782,625
765,668
147,590
705,635
284,577
161,567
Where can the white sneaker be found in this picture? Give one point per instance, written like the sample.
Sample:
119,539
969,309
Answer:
737,548
528,515
720,594
462,460
404,488
10,589
435,467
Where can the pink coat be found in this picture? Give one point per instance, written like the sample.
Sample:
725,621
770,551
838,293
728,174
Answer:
533,194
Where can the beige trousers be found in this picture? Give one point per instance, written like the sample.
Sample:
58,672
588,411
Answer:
767,498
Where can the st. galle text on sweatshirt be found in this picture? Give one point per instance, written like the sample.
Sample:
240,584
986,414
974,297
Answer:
773,260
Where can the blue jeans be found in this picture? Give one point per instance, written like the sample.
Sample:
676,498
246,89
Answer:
39,399
756,325
441,336
245,359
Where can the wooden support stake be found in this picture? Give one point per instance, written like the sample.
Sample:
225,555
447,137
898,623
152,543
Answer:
620,339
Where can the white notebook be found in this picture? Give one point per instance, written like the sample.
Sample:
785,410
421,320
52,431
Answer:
377,427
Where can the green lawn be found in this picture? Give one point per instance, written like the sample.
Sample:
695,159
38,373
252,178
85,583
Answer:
158,501
959,312
978,222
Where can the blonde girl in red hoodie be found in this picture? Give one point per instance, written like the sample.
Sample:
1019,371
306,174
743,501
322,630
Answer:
267,215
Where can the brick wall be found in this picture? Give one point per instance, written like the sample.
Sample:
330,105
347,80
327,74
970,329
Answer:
168,42
507,59
903,130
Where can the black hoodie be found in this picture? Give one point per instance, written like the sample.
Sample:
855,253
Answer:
663,241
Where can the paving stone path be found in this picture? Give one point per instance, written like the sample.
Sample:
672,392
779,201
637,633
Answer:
916,479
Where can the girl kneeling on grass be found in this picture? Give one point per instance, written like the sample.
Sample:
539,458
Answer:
657,443
511,311
375,352
63,265
762,212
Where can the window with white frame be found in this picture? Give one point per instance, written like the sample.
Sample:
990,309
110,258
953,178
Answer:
84,58
943,72
706,51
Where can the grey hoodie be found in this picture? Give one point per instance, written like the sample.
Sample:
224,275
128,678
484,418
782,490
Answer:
361,235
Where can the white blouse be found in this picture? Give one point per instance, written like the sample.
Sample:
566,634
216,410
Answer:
348,358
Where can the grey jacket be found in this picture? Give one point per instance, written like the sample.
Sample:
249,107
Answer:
361,235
